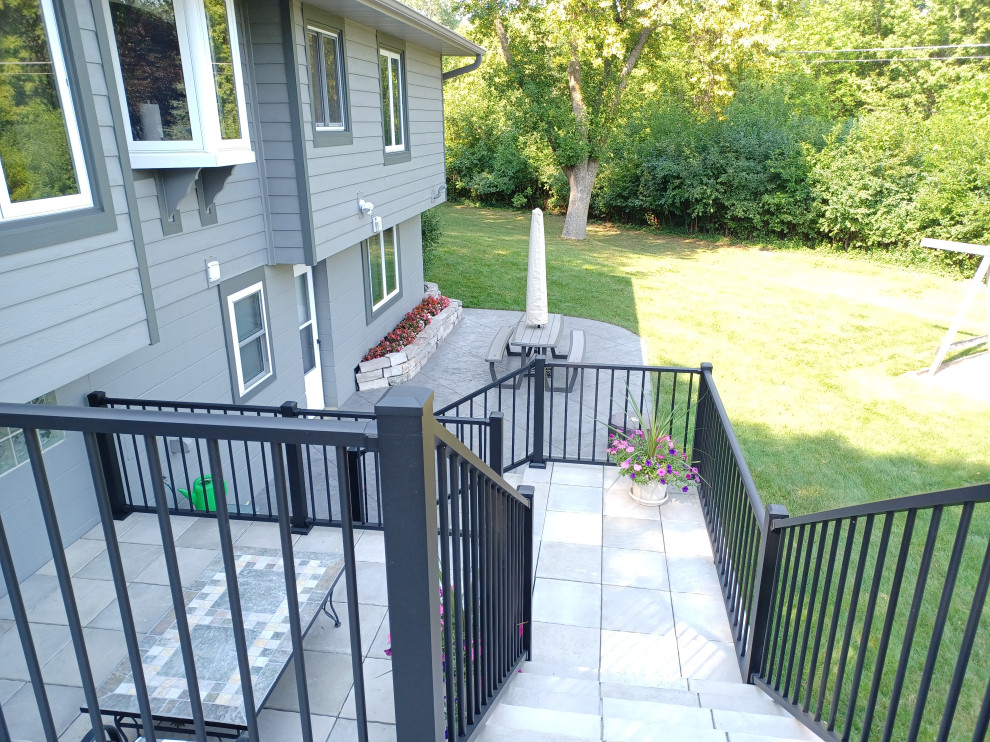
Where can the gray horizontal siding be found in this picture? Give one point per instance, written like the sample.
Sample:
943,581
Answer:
73,307
338,174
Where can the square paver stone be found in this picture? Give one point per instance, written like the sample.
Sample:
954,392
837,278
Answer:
636,609
693,574
640,659
618,504
575,498
706,659
285,725
686,538
701,615
576,562
378,692
633,568
573,528
328,680
565,646
633,533
345,730
577,474
568,603
682,506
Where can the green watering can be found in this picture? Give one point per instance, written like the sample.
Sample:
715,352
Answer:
202,497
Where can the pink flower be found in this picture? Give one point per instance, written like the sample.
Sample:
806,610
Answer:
630,449
637,467
624,464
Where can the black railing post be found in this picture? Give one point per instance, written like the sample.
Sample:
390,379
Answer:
296,476
536,458
110,463
496,422
763,592
407,449
358,509
528,491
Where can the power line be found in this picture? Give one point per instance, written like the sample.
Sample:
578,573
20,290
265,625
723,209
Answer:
886,49
893,59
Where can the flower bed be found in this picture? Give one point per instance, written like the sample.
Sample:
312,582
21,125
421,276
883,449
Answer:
401,353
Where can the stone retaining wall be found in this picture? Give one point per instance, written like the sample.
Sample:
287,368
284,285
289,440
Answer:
396,368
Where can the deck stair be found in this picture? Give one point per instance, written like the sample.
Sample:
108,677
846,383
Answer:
547,703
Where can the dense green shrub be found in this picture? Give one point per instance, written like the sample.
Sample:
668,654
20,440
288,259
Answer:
431,226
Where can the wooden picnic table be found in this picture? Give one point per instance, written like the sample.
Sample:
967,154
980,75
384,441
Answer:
530,340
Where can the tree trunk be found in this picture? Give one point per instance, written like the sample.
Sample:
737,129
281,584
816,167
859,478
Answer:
582,178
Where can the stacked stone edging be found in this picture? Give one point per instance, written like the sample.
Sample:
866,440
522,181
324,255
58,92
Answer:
396,368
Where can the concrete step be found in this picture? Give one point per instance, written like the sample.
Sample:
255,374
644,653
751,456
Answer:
741,722
554,670
726,688
547,721
490,733
556,684
631,730
541,698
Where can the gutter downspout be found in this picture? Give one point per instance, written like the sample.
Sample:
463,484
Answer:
463,70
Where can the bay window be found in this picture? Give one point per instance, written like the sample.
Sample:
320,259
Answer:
179,74
42,168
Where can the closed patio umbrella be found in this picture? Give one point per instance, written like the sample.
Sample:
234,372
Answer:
536,275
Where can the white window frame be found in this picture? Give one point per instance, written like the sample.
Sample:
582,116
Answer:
207,148
47,442
341,92
380,238
396,99
236,344
9,210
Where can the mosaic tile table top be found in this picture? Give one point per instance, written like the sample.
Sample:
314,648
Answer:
261,580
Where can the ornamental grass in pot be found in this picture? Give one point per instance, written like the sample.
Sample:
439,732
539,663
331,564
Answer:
656,462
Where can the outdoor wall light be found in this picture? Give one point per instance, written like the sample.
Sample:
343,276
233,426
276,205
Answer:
365,207
212,271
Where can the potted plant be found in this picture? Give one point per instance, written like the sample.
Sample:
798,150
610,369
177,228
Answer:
656,462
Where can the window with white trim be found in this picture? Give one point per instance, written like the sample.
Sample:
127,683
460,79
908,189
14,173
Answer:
13,446
393,99
42,168
251,343
383,267
180,82
326,72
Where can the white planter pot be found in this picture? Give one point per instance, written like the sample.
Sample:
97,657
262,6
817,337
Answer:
650,493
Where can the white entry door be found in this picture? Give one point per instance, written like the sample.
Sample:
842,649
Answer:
313,373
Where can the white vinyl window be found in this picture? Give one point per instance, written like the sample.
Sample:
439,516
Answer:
179,74
383,267
13,447
251,343
326,73
393,100
42,169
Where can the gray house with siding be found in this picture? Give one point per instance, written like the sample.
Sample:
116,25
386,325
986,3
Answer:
204,200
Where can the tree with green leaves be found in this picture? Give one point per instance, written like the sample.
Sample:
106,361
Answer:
569,66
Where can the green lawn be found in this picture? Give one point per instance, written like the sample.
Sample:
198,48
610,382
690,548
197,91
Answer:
810,351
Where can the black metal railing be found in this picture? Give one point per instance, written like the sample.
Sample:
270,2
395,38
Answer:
877,628
313,479
149,715
433,484
549,418
733,512
486,551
